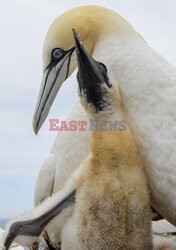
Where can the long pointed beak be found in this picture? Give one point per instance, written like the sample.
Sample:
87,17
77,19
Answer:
53,78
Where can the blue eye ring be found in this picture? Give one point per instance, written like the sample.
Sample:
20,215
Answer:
57,53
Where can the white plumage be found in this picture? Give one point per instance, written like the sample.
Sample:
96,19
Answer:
147,84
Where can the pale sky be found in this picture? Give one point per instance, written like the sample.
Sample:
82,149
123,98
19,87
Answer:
23,26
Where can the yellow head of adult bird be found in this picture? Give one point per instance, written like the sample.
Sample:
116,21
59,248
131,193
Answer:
94,24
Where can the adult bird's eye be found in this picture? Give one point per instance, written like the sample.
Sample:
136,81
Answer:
58,53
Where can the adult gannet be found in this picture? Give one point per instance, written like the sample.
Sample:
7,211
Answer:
112,206
147,84
148,91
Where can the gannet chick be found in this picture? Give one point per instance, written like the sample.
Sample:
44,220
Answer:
112,203
112,209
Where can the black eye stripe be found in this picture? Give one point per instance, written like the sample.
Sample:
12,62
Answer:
55,60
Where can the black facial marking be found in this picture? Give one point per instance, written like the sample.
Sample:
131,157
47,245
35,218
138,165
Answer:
92,77
60,55
68,66
55,60
90,83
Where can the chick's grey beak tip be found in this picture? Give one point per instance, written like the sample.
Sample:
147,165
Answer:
75,33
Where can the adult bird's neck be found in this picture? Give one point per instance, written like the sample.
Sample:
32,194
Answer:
142,74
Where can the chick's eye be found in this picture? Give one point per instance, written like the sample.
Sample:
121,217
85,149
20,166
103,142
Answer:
58,53
103,67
